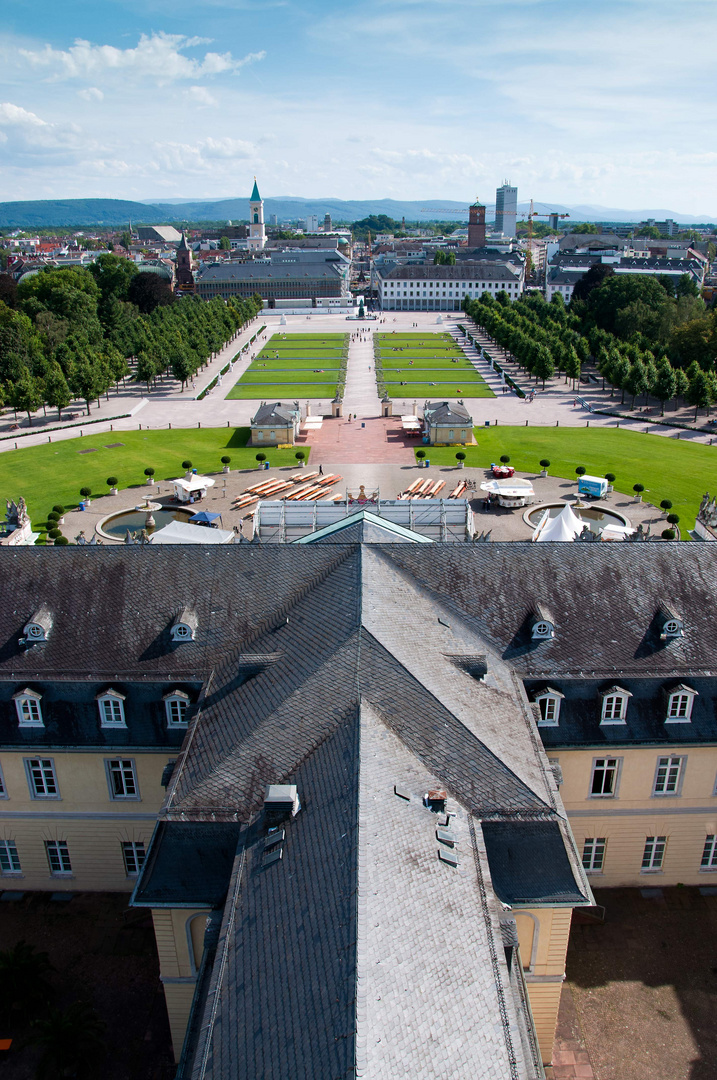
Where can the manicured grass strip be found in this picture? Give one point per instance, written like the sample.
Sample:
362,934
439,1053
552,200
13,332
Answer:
54,473
439,390
673,469
281,391
288,376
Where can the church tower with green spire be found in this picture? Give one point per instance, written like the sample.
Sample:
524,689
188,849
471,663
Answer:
257,232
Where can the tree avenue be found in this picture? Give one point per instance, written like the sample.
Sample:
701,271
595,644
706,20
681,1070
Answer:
72,333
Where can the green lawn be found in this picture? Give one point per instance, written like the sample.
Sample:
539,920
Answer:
54,473
420,360
307,366
669,468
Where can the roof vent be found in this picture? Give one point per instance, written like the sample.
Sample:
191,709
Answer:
543,628
475,665
184,627
38,628
436,801
672,624
280,802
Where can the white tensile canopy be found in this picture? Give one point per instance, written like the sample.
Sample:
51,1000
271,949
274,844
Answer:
565,526
181,532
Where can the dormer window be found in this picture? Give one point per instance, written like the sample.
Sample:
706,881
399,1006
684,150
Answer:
176,706
679,705
111,706
548,701
543,628
38,628
184,626
672,625
29,710
614,705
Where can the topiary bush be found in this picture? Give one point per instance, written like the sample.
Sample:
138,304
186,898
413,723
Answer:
53,516
58,509
420,454
85,492
610,477
149,472
638,488
61,541
544,463
674,519
581,470
111,481
54,533
226,460
299,455
186,464
505,458
666,504
261,457
668,534
460,456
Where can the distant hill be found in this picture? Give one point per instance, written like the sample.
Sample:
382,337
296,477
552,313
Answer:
84,213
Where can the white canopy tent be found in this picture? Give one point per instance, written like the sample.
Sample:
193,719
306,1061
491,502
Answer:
564,526
191,487
510,492
181,532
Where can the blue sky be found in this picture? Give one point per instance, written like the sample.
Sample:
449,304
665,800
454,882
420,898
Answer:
609,103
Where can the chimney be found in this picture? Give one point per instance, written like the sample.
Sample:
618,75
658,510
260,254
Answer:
476,225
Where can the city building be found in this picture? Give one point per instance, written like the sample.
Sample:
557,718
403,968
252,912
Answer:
447,423
312,223
257,232
275,424
163,234
370,750
476,225
184,274
327,222
273,280
506,209
427,287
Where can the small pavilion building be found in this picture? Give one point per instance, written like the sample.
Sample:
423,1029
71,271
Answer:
274,424
447,422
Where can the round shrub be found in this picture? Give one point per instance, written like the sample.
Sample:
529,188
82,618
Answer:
186,464
111,481
638,488
53,516
610,477
226,460
85,492
666,504
668,534
674,519
261,457
460,456
544,463
61,541
58,509
299,455
149,472
54,533
505,458
420,454
581,470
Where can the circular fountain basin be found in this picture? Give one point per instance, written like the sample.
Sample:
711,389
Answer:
115,526
596,517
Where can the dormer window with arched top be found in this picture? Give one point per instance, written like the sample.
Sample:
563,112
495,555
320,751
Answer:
614,705
37,628
185,625
29,709
543,628
679,705
111,707
176,705
548,701
673,625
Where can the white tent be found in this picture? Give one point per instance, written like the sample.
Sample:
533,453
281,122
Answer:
564,526
181,532
512,492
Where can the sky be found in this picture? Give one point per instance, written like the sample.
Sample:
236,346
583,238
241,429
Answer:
608,103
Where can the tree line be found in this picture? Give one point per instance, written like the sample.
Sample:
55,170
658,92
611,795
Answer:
71,333
646,336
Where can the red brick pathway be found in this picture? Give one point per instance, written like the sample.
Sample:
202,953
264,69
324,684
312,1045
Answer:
343,441
571,1060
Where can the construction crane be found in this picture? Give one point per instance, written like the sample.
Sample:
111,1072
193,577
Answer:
440,210
533,214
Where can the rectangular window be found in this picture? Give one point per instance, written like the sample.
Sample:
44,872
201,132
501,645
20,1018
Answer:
709,854
111,712
679,707
122,778
613,709
29,713
549,711
654,852
667,775
42,779
3,789
133,854
58,856
604,778
9,858
594,853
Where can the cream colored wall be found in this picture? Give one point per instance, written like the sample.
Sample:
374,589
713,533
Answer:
179,933
543,935
626,820
93,825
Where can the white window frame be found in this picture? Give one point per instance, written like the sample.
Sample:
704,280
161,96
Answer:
682,713
176,698
109,702
3,786
669,773
616,704
29,709
593,857
608,762
544,701
9,859
122,773
182,632
708,862
133,853
42,769
653,854
61,853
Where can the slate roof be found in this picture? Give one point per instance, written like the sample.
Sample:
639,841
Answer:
446,412
528,862
188,864
363,527
256,270
273,412
478,270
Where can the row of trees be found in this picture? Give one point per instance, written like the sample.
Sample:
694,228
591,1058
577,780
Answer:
70,334
546,338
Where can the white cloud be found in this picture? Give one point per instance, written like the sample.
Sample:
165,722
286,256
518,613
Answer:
158,56
206,156
28,139
91,93
199,95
